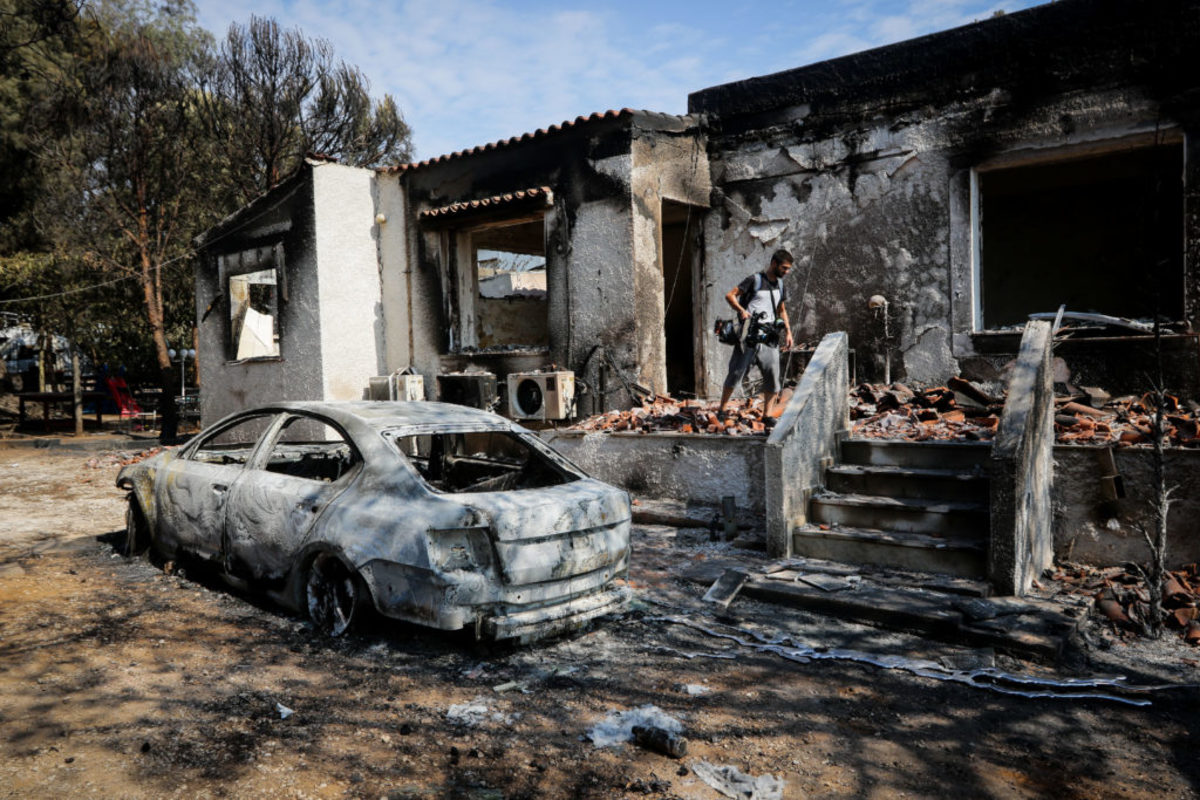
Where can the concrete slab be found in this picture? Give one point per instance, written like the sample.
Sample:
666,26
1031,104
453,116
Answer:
1016,626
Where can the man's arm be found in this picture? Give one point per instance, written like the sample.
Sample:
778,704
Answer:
781,313
732,299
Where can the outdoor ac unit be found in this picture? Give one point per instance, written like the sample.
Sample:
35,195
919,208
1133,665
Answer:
404,386
541,395
475,389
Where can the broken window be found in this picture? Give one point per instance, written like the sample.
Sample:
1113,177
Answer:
254,291
480,461
1100,233
233,444
509,262
312,449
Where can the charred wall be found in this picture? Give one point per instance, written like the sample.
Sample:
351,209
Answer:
865,167
284,216
599,230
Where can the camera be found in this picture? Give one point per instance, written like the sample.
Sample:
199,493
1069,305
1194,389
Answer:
762,332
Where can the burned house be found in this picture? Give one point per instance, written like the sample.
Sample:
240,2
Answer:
971,178
554,248
935,192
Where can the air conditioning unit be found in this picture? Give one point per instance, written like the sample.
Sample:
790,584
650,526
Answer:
475,389
541,395
400,385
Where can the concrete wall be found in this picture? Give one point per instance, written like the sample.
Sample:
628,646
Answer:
348,280
805,440
283,215
670,165
395,274
1091,529
863,167
694,469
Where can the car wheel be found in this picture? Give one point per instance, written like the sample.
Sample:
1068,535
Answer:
332,593
137,531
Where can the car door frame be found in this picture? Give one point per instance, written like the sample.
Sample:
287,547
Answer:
284,508
194,494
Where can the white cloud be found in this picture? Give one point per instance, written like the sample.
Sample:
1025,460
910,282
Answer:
467,72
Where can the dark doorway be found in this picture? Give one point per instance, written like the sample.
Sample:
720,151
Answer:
680,224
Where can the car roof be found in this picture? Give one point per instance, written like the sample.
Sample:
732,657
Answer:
381,415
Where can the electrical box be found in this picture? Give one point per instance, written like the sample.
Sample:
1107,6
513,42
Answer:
541,395
403,385
474,389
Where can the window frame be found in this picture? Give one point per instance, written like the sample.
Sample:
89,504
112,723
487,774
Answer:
264,256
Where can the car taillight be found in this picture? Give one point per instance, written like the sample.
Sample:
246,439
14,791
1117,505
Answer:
460,548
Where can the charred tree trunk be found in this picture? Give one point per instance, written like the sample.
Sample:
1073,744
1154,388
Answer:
77,390
151,279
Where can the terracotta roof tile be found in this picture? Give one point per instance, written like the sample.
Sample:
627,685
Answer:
489,202
623,113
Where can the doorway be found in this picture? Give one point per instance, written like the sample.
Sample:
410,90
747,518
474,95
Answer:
680,225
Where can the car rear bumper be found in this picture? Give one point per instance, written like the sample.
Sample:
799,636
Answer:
538,623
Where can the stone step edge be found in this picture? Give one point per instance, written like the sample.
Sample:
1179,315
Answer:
920,541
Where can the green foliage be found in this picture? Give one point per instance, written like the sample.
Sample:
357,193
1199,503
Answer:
125,132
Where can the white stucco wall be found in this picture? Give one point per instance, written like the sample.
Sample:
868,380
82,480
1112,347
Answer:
349,291
393,237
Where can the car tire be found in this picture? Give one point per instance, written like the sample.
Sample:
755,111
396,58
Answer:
137,530
332,594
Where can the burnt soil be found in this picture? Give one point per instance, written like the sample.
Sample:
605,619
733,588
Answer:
118,679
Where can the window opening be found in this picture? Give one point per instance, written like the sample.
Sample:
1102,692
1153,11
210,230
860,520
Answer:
254,294
510,272
483,461
311,449
233,445
1101,234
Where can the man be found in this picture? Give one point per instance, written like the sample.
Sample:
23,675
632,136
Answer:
762,292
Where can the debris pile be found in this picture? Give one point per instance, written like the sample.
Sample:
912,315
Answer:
1122,597
964,410
666,414
958,410
122,458
1124,421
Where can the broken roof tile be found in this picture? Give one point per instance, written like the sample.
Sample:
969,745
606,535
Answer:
494,201
565,125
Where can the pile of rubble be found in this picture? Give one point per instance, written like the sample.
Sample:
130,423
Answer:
122,458
1121,595
666,414
1124,421
964,410
958,410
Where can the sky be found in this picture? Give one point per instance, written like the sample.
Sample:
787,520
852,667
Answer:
468,72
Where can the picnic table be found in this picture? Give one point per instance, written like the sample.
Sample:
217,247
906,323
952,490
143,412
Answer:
48,399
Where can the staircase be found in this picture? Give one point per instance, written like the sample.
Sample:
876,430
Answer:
905,505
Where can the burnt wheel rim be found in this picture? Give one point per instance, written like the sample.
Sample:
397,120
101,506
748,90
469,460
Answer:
332,595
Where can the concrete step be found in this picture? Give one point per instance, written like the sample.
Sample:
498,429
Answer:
903,514
1018,626
919,483
927,455
965,557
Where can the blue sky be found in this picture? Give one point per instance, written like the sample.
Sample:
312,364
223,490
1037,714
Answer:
468,72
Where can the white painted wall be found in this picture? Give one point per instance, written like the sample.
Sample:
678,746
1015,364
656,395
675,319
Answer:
348,279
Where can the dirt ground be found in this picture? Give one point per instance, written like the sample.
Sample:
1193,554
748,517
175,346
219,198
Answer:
118,680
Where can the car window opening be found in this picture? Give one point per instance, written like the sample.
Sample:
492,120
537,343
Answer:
487,461
312,450
232,444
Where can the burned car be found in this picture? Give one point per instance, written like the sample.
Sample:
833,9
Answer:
432,513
